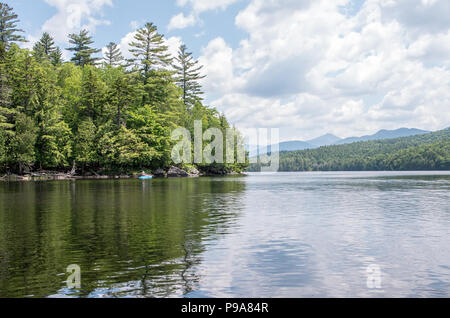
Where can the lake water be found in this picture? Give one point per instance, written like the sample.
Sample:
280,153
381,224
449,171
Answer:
281,235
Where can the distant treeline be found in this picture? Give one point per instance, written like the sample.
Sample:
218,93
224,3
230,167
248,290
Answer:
423,152
96,114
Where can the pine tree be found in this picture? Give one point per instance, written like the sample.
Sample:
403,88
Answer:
56,57
53,134
7,112
188,75
5,96
149,51
113,57
93,94
23,75
121,98
83,51
44,48
8,27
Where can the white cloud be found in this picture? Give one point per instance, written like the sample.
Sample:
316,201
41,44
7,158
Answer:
134,25
31,40
125,44
311,68
199,6
419,15
218,64
174,44
73,15
180,21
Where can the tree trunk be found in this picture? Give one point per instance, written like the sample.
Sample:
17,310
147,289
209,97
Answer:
74,169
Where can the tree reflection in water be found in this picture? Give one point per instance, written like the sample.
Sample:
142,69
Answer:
130,238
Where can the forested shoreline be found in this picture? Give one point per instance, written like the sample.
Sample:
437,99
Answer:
422,152
107,115
111,115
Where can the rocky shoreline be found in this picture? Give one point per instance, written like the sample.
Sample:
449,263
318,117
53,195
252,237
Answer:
172,172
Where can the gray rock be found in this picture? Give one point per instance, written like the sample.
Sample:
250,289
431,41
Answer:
194,173
160,173
175,172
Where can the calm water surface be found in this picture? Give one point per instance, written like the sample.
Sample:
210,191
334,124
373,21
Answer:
282,235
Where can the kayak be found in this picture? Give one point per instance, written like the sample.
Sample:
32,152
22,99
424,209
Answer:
145,178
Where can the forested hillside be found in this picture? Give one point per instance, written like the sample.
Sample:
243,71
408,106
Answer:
423,152
91,113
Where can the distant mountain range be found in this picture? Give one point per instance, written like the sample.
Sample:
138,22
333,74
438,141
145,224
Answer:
419,152
384,134
325,140
330,139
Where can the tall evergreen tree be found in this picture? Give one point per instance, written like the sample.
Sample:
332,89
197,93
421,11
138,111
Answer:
93,94
8,27
53,134
83,51
23,73
56,57
44,48
5,95
188,76
149,50
113,57
8,35
120,98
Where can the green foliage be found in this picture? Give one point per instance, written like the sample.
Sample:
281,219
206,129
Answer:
7,112
187,77
149,50
2,149
54,143
154,130
21,150
45,50
85,143
121,97
81,46
119,147
161,93
113,57
56,57
59,116
70,83
8,27
93,94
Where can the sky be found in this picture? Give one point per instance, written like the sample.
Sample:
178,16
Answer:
307,67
